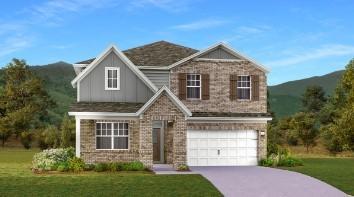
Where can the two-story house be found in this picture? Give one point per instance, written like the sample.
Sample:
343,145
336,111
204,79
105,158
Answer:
166,103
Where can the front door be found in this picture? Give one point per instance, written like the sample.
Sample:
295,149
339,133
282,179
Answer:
156,141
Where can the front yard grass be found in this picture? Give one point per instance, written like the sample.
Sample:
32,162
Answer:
338,172
16,179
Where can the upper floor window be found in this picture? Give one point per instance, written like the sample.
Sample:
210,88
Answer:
112,78
244,87
112,135
193,86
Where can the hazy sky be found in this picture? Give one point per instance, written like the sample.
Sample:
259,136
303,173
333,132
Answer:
294,39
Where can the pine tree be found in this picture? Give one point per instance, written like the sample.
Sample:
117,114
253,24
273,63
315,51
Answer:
67,132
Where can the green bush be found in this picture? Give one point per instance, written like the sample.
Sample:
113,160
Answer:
89,167
268,162
133,166
63,167
76,164
101,167
26,139
183,168
290,161
51,158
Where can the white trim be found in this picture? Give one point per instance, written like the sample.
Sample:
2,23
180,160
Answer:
174,99
224,46
219,60
80,65
83,117
153,67
101,114
244,87
106,70
200,86
124,58
241,119
77,137
112,136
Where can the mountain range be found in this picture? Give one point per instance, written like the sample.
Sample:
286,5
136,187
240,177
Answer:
285,98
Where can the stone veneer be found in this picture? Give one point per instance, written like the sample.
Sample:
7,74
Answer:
262,140
219,77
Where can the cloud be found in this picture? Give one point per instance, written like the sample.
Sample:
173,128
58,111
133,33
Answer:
247,32
168,5
202,24
13,44
324,51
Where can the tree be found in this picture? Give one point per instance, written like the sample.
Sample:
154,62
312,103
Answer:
313,99
338,132
24,100
303,124
67,132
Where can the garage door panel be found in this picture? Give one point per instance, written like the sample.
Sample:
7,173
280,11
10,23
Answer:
222,148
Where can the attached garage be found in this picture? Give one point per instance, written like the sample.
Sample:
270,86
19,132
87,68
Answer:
222,148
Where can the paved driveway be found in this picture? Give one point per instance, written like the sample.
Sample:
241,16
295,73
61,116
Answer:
263,182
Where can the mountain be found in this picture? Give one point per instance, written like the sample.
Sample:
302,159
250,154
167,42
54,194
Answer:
285,98
57,77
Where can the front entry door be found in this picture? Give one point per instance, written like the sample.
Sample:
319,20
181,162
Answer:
156,141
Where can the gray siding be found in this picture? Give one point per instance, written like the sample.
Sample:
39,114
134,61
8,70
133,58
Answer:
219,53
132,89
158,77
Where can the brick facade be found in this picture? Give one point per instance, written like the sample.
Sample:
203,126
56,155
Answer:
219,77
175,135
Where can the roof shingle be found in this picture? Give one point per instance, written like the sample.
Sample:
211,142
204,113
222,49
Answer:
159,53
118,107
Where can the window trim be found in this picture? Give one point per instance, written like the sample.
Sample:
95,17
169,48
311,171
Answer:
200,86
106,78
244,88
112,136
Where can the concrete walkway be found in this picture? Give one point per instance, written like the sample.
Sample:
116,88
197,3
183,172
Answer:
168,169
254,181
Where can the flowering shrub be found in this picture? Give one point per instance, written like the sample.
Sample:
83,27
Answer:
51,158
76,164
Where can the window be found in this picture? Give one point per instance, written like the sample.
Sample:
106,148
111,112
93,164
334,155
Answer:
244,87
193,86
112,135
112,78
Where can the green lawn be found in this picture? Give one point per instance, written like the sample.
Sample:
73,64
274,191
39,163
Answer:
16,179
338,172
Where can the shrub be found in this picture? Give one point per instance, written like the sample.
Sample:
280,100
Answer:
290,161
101,167
26,139
89,167
183,168
76,164
63,167
51,158
133,166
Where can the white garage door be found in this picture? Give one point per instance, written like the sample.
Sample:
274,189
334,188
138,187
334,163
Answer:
222,148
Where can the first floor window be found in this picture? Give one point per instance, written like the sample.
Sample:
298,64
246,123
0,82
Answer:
193,86
112,135
112,77
244,87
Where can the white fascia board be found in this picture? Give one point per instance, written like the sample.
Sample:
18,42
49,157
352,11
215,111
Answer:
80,65
102,114
153,67
124,58
253,119
174,99
229,49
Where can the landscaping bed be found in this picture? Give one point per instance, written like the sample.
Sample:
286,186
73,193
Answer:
17,179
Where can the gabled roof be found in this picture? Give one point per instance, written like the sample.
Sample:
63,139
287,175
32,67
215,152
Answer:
173,98
156,54
130,65
226,48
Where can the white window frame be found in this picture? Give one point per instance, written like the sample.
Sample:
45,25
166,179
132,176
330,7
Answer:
250,88
112,136
200,86
106,78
